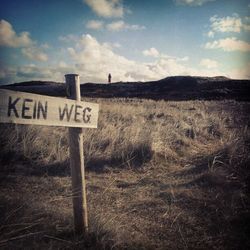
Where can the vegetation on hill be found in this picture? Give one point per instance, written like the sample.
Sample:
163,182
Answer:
170,88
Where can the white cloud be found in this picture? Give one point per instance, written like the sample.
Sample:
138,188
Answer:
241,73
7,74
228,24
116,26
121,25
113,26
192,2
151,52
246,25
45,46
106,8
12,74
35,54
68,38
210,34
94,60
208,63
94,24
117,45
184,59
229,44
33,71
135,27
9,38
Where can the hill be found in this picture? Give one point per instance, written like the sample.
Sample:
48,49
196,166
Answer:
170,88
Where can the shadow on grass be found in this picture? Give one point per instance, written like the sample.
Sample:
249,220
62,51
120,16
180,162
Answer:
26,167
224,222
222,207
60,169
210,200
26,226
203,164
18,164
136,158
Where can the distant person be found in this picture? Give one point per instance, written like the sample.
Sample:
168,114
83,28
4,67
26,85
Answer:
109,78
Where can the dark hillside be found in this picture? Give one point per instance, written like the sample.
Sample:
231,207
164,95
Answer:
170,88
174,88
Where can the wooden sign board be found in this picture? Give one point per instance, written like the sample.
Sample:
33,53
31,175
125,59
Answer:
26,108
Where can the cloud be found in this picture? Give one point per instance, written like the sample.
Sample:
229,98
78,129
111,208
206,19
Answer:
94,24
106,8
68,38
93,60
116,26
247,23
210,34
183,59
192,2
241,73
35,54
97,59
151,52
7,74
33,72
121,25
229,44
45,46
113,26
228,24
9,38
208,63
12,74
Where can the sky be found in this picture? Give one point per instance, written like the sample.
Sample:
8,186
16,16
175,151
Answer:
134,40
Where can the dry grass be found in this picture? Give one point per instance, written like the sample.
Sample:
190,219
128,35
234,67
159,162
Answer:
160,175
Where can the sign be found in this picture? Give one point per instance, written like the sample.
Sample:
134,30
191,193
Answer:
26,108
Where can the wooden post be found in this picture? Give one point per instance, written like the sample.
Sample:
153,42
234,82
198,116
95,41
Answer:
77,162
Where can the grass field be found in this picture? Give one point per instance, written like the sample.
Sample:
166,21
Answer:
160,175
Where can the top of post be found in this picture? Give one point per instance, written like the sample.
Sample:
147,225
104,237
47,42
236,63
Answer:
73,86
70,76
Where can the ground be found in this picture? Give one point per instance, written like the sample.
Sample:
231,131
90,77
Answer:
159,175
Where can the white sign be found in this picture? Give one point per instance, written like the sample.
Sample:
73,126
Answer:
26,108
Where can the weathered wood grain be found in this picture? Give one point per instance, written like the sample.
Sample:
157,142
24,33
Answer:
77,162
26,108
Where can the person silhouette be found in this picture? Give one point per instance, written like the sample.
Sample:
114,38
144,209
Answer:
109,78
